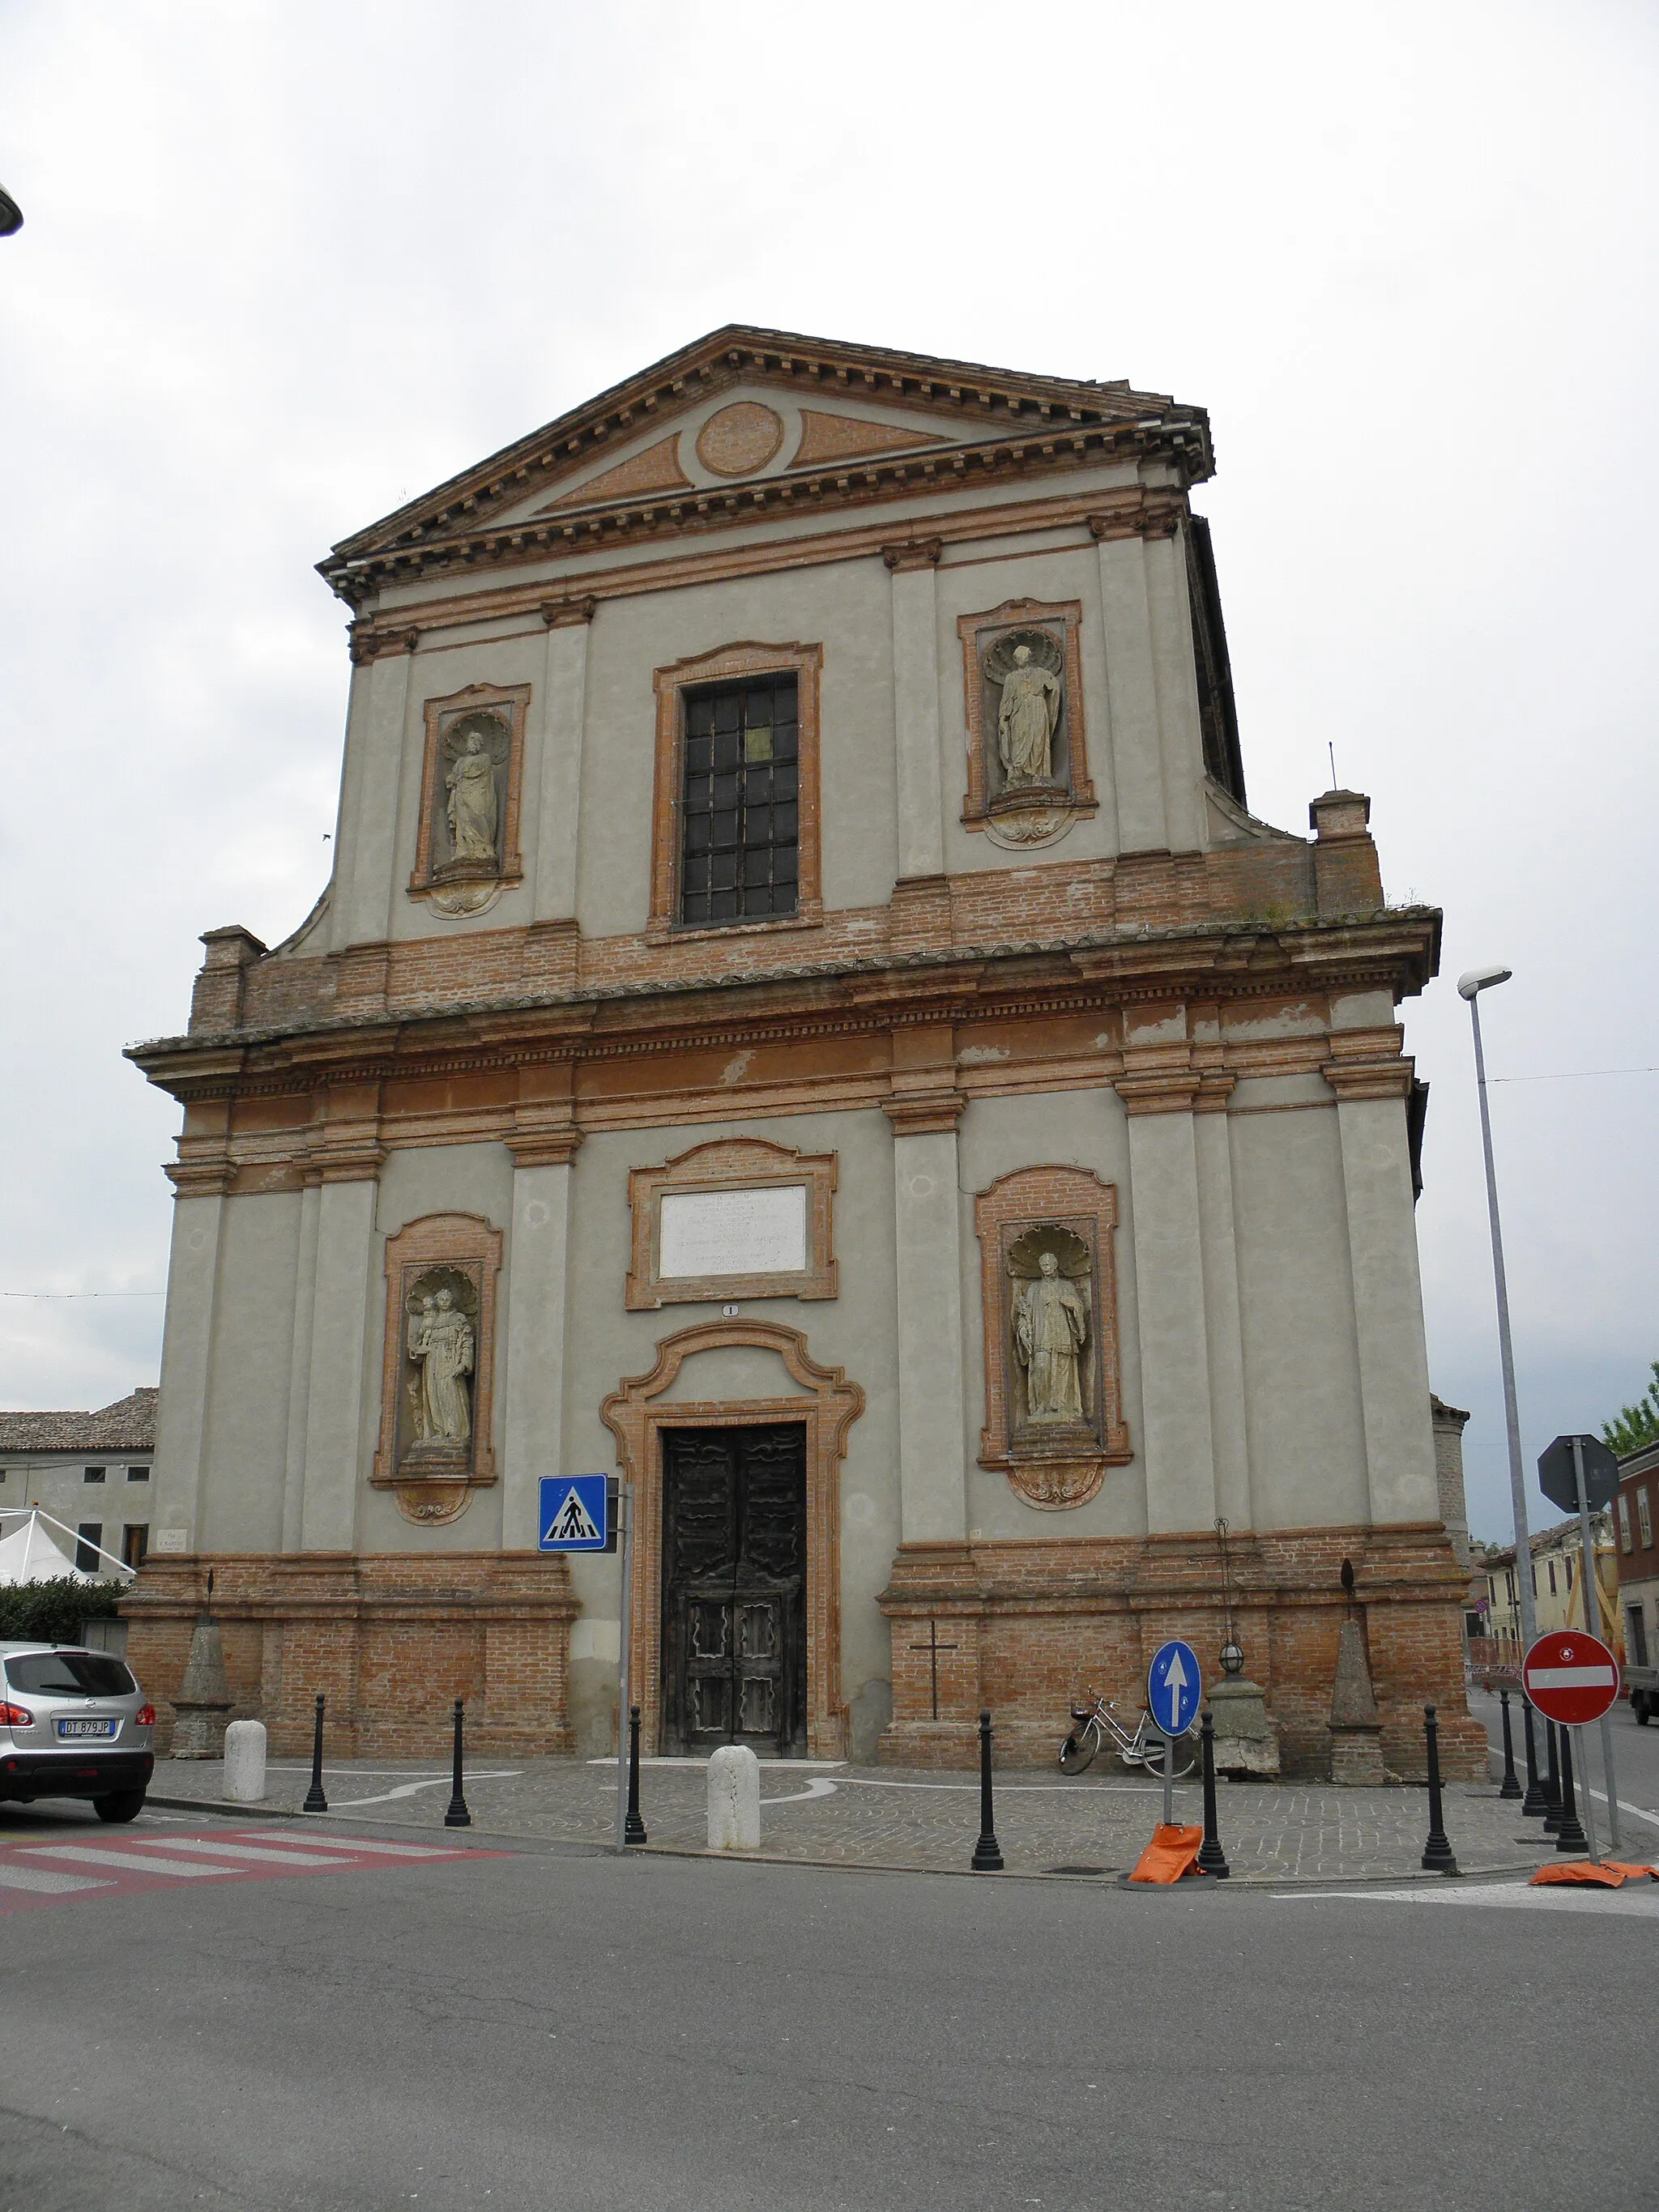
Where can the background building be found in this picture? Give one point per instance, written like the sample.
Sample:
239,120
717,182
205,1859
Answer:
1634,1513
804,1015
89,1471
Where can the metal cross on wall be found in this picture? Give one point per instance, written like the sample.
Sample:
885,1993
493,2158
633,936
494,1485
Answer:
932,1647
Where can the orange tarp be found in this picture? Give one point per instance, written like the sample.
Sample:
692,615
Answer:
1172,1853
1611,1873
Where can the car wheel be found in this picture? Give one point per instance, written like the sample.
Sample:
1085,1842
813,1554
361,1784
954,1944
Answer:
1644,1709
122,1805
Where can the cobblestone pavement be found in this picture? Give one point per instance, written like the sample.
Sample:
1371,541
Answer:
869,1817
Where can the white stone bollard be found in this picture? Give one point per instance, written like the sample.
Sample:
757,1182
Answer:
734,1799
245,1762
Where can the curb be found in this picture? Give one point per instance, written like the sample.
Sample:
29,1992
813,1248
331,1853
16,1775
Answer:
1109,1878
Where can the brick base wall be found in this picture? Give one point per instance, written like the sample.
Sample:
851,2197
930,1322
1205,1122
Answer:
391,1642
1038,1627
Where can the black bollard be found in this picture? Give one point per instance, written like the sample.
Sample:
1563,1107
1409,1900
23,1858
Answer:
633,1828
1570,1835
1511,1786
315,1801
1437,1852
988,1854
458,1816
1535,1804
1212,1859
1551,1782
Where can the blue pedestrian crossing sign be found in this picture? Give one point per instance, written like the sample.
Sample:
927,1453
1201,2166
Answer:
1174,1687
574,1517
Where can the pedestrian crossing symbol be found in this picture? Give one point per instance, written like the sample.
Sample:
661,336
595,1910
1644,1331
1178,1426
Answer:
573,1513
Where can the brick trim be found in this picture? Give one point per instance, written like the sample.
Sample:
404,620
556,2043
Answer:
806,663
828,1405
730,1163
513,702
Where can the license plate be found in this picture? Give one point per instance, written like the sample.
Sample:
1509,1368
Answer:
85,1727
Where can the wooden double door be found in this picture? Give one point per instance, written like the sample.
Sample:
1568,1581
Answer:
734,1588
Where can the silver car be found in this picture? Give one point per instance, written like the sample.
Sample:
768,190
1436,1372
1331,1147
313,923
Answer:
74,1723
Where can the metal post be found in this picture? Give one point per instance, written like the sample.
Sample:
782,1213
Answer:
1438,1851
988,1854
1535,1804
1570,1836
634,1830
1552,1781
1212,1859
1511,1786
1168,1783
315,1801
1587,1575
458,1816
1506,1355
625,1659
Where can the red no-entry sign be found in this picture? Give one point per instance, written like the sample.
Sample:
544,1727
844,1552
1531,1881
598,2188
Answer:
1570,1677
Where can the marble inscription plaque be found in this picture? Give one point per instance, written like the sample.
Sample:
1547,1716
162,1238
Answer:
733,1232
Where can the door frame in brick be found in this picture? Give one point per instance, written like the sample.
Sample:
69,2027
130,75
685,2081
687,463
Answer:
827,1407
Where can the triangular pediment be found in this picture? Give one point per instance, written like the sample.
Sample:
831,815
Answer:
740,407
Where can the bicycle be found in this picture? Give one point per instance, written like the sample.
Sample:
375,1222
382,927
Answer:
1091,1726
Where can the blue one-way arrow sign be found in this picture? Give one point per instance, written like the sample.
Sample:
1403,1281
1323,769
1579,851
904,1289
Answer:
573,1513
1174,1685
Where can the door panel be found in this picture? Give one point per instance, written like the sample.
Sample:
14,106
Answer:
734,1587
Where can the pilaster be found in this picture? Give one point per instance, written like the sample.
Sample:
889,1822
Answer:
367,865
339,1364
1132,691
186,1361
562,727
1160,1087
915,706
933,1458
535,1297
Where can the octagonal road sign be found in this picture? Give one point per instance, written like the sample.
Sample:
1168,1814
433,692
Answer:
1559,1479
1570,1677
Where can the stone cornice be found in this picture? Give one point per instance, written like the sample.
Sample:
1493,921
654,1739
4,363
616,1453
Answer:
1036,410
839,997
1132,511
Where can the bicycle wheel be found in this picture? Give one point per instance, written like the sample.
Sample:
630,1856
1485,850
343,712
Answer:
1152,1757
1079,1748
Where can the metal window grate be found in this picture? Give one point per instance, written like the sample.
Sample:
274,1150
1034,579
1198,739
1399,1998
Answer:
740,811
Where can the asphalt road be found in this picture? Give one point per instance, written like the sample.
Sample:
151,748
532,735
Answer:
563,2032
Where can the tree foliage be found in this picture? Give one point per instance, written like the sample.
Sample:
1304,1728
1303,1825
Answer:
51,1611
1637,1425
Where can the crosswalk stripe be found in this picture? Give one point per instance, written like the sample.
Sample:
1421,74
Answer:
54,1885
128,1862
350,1843
271,1858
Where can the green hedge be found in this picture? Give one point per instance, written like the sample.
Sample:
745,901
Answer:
52,1613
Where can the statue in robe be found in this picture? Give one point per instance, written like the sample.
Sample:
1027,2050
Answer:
1051,1328
443,1345
1027,718
471,809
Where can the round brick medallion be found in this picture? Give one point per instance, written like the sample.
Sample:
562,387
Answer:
740,439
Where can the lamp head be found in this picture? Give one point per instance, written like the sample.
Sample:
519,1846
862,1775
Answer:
1481,979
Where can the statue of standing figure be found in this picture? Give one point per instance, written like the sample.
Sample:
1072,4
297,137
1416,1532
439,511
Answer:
1027,720
471,809
1051,1328
442,1346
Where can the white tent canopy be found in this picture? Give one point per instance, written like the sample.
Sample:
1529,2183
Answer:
28,1554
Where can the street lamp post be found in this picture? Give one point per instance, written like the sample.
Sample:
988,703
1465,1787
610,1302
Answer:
1469,986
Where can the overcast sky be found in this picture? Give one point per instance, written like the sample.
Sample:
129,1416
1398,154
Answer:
287,266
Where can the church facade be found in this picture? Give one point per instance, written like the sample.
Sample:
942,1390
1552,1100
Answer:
804,1019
